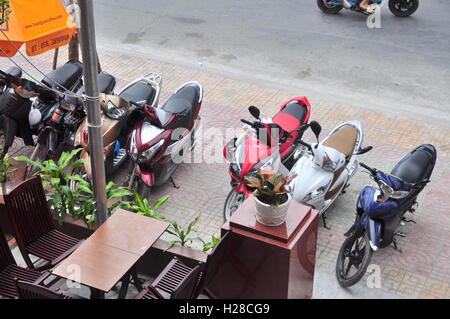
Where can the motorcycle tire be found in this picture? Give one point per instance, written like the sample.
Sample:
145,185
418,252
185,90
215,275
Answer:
328,8
143,189
397,8
340,263
39,155
78,171
231,199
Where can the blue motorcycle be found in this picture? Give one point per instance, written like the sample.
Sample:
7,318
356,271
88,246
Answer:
399,8
380,212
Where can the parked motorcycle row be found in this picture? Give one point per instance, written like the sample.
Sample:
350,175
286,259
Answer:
322,172
136,129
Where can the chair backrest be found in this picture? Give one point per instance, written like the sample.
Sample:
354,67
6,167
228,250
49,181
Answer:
6,257
212,264
187,286
27,290
28,211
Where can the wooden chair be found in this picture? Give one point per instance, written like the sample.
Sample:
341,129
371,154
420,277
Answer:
177,279
27,290
212,264
34,228
184,282
9,270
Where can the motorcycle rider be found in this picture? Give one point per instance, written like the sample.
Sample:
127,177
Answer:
363,5
17,107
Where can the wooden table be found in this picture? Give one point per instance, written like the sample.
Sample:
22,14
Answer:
111,252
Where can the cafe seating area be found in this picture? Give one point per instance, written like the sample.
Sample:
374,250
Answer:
58,265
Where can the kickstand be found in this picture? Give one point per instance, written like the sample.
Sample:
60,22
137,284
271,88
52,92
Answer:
324,218
396,246
173,183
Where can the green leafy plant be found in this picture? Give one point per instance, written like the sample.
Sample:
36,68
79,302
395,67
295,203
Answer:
143,207
6,171
182,234
79,202
55,179
270,186
207,245
86,199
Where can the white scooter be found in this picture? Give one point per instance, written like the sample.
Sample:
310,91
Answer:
324,169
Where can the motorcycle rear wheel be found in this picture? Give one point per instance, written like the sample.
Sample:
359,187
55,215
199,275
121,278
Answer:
359,258
39,155
233,201
399,9
328,8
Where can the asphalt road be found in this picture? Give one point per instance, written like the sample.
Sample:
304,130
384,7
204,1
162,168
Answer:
402,68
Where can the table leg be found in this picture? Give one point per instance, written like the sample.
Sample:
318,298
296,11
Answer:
136,280
124,286
97,294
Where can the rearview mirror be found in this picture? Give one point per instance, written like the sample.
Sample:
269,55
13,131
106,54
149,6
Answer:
364,150
316,128
254,111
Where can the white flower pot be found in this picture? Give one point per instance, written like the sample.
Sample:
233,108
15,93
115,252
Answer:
271,216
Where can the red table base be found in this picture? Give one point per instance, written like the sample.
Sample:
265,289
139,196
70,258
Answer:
268,262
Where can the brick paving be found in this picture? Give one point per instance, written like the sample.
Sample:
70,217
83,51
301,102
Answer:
421,270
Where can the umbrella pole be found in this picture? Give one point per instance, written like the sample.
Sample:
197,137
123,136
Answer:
89,53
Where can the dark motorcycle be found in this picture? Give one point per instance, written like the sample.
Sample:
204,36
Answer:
60,129
399,8
381,211
48,113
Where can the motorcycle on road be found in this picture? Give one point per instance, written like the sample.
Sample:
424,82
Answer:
380,212
399,8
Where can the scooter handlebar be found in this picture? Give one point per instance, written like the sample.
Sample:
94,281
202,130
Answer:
373,171
247,122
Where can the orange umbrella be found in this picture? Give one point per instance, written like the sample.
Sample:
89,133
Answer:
41,24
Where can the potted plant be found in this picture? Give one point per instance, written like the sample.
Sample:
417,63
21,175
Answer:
271,196
5,172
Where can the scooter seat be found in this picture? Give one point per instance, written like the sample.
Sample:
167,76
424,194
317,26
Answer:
413,167
291,117
66,75
106,83
138,92
183,104
184,100
343,140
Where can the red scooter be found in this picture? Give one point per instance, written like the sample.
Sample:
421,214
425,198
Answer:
159,141
266,142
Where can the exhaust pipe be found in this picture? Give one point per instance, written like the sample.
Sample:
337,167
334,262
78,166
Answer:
346,4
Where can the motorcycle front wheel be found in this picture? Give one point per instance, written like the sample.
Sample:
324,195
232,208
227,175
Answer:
355,253
233,201
403,8
135,184
39,155
327,7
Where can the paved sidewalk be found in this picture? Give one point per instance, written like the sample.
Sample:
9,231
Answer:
421,270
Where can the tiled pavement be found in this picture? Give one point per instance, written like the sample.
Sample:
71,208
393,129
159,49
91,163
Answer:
421,270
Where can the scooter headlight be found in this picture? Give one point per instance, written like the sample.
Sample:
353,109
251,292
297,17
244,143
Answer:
133,147
150,152
317,192
389,191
